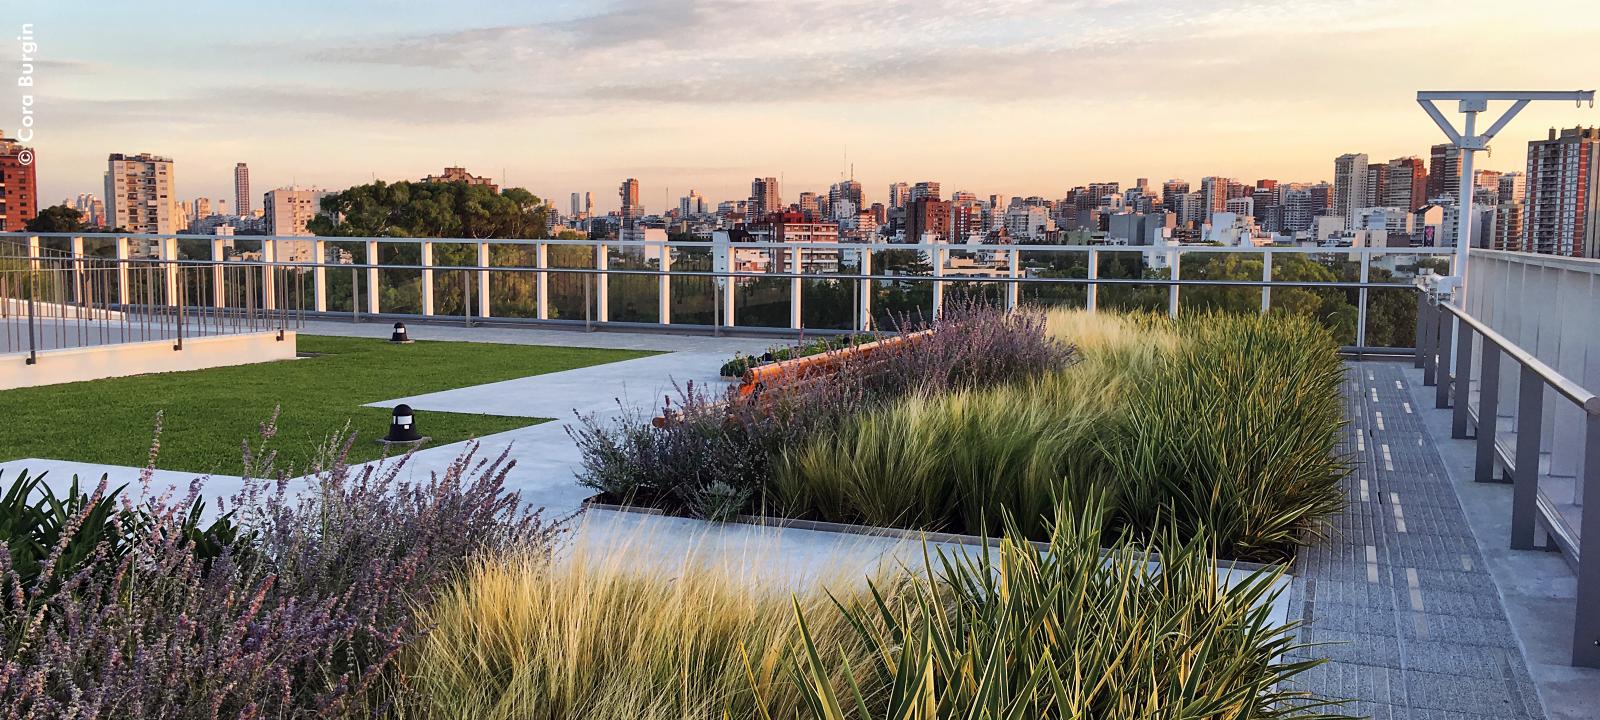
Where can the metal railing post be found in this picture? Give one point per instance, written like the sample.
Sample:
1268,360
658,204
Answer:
602,284
319,275
664,287
1461,383
269,279
864,293
78,275
33,346
373,302
427,279
1266,277
1586,628
1361,299
484,306
937,254
1013,271
1421,328
1429,341
1441,391
541,290
169,254
796,319
122,272
1091,300
1525,477
219,277
1172,290
1488,412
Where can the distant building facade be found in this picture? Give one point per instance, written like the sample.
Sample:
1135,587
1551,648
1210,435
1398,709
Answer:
1562,214
139,193
19,186
456,174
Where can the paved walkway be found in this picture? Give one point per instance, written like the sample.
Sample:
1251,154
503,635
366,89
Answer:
1414,622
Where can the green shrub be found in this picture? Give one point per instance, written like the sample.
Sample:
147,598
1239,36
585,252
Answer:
1066,632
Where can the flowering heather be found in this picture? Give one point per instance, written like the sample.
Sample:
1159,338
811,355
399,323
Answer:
299,614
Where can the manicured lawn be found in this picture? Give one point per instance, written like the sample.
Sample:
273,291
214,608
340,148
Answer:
209,413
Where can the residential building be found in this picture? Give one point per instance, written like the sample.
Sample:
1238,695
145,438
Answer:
798,228
764,198
1350,185
139,192
201,208
1444,171
898,194
846,191
1562,216
630,229
1407,184
19,186
577,205
926,190
808,205
1171,193
288,209
92,208
1029,222
692,204
456,174
928,219
1376,192
241,189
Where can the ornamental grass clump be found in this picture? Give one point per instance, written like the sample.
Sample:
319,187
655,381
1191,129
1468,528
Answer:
1237,433
1222,422
713,457
1144,630
300,613
530,637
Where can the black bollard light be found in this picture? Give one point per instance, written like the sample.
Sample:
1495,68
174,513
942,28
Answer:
402,426
399,335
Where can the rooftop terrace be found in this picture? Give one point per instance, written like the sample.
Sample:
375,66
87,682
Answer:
1425,608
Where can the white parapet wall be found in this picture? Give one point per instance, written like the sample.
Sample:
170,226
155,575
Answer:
140,358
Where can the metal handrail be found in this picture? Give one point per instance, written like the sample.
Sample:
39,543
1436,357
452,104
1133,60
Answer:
1589,402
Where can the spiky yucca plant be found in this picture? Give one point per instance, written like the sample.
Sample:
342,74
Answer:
1066,631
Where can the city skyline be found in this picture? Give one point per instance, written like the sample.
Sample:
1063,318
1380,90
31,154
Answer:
1021,98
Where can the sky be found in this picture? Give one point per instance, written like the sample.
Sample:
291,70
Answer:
1015,97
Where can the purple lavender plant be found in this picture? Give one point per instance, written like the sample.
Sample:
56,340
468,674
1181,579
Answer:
301,615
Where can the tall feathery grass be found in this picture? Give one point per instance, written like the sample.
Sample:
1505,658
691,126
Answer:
1217,421
1145,631
528,636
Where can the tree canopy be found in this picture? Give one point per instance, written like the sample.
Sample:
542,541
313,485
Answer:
430,209
57,218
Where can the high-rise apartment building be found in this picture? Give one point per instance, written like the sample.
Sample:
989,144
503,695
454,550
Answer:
139,193
1562,216
202,209
764,198
1444,171
630,228
925,190
241,189
19,188
92,209
1172,192
1486,186
288,209
1349,185
898,194
692,204
1407,184
577,205
808,205
1510,206
846,191
927,216
1377,185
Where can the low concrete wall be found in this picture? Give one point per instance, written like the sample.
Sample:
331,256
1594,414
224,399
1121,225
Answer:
140,358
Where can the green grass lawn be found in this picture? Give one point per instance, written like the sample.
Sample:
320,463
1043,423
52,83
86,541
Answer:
209,413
